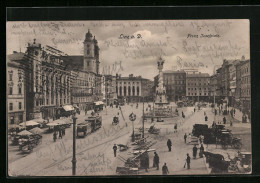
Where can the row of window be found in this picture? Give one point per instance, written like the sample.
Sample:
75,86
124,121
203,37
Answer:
11,107
245,80
19,75
245,91
11,90
128,82
195,94
196,88
199,84
176,82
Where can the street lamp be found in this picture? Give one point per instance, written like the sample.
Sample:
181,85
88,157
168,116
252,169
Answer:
74,145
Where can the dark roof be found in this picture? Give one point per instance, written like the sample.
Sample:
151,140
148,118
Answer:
74,60
12,59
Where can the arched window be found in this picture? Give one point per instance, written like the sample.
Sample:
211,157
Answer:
137,90
129,90
133,91
120,90
124,90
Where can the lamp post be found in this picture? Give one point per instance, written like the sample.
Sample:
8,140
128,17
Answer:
143,119
74,146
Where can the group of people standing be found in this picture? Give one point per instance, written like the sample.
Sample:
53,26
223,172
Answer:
60,132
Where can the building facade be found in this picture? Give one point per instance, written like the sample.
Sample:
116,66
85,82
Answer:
48,81
16,105
198,86
110,89
131,88
246,87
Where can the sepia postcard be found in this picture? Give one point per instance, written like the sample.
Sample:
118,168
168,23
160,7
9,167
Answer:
128,97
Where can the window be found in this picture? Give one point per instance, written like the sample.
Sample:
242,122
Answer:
47,101
20,118
10,90
11,120
20,90
20,105
10,106
10,77
200,93
37,102
205,93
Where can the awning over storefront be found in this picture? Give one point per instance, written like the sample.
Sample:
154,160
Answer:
36,130
99,103
29,123
68,107
24,133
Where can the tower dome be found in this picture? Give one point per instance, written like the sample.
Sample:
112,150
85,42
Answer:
88,36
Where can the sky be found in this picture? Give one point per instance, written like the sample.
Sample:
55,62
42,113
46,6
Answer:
137,45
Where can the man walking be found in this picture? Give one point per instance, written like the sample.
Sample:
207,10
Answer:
54,136
115,149
224,120
195,149
165,170
185,137
201,151
169,144
188,161
156,160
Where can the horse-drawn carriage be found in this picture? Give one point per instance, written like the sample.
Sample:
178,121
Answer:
227,139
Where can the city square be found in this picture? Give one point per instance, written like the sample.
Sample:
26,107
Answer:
126,107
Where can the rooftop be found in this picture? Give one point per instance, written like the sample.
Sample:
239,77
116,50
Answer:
199,75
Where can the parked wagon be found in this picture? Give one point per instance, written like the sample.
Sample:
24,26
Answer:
227,139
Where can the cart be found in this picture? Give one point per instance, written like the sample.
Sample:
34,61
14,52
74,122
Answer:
227,139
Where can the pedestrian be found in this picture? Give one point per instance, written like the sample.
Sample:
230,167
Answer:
201,151
169,144
60,134
156,161
165,170
63,131
206,118
182,114
175,128
194,150
185,137
188,161
231,123
194,110
204,113
224,120
151,119
234,111
54,136
115,149
86,111
146,157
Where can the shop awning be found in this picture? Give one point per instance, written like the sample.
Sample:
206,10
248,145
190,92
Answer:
68,107
25,132
52,124
36,130
29,123
99,103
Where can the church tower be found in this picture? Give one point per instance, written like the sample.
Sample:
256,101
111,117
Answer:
89,53
96,52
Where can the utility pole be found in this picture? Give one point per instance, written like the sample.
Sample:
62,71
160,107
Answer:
143,119
74,146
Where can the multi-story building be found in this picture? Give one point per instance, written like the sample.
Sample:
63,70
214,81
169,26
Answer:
110,89
198,86
87,83
47,81
16,105
175,84
246,87
131,88
82,88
